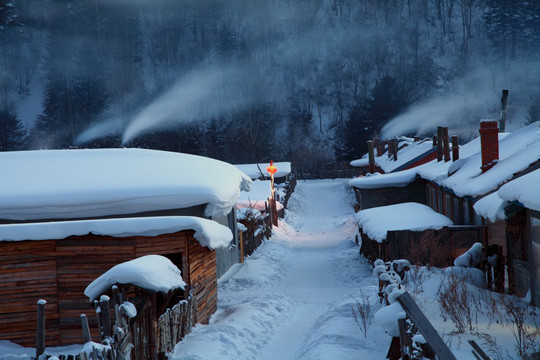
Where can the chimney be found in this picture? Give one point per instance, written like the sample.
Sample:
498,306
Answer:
446,145
455,148
504,105
395,148
489,142
371,152
439,143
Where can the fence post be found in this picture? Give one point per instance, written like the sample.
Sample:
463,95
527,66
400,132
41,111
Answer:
85,329
40,332
424,326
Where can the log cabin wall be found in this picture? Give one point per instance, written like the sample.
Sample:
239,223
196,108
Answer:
203,279
434,247
58,271
27,274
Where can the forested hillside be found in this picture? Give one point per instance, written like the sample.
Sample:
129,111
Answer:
307,81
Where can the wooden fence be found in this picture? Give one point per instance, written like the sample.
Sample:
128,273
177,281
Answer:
430,247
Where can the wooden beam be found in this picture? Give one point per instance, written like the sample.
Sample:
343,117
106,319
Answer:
424,326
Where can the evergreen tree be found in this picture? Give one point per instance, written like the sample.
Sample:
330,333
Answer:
12,132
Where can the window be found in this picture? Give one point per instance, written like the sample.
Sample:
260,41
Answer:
457,218
439,200
466,213
447,203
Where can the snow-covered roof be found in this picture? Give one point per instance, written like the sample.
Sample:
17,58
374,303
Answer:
251,170
517,151
209,233
54,184
376,222
376,180
525,189
411,151
491,207
151,272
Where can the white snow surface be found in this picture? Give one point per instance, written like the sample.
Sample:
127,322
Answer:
376,180
53,184
491,207
251,170
294,297
524,189
209,233
408,153
376,222
151,272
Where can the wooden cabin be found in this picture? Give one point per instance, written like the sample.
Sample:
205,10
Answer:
59,270
414,232
63,221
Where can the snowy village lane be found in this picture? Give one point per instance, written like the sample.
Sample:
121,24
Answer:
293,298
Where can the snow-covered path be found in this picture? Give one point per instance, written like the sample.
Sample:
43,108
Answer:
293,298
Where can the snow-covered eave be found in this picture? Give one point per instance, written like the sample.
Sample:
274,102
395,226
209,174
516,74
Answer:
89,183
376,222
154,273
209,233
378,181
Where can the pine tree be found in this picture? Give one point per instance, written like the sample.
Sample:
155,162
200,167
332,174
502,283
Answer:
12,132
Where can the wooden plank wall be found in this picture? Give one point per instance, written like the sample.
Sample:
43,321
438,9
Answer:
80,260
434,247
60,270
27,274
203,277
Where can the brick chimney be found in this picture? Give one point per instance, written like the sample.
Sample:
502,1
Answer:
489,142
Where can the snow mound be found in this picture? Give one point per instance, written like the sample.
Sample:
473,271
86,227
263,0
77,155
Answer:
151,272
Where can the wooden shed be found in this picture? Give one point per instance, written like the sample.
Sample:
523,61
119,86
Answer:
59,270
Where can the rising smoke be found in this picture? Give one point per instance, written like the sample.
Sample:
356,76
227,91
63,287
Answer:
464,102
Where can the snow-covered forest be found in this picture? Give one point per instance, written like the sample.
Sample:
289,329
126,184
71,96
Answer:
233,79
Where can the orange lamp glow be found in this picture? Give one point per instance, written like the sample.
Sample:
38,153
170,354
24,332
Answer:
271,169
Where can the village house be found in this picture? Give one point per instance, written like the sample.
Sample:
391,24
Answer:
393,158
68,216
462,189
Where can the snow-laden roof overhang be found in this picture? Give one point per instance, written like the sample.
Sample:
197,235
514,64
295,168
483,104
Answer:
60,184
377,181
525,190
376,222
152,272
208,232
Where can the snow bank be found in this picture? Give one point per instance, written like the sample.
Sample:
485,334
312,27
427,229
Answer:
376,180
251,170
209,233
57,184
152,272
376,222
491,207
524,190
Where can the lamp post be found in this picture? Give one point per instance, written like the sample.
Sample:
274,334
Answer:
272,170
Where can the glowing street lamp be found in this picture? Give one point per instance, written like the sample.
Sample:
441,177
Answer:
272,170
